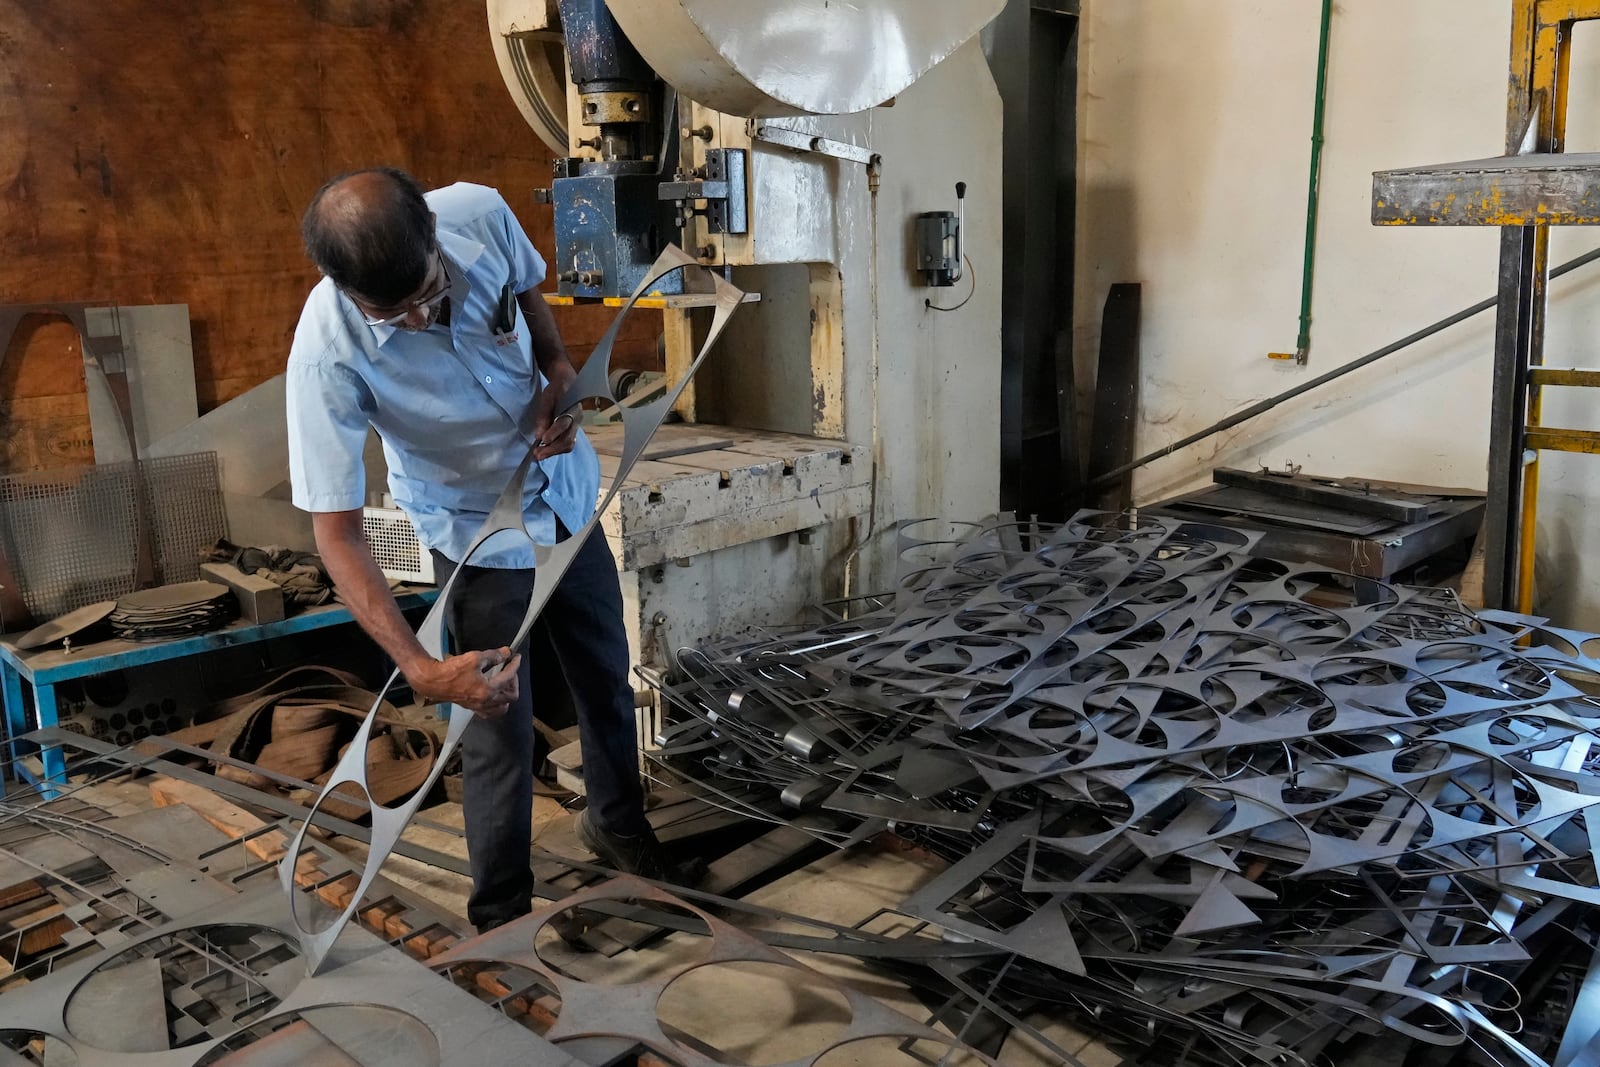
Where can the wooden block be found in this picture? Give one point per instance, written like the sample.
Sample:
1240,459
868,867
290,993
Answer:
339,892
425,943
20,893
244,776
18,915
260,599
376,917
398,927
568,756
40,930
568,762
228,817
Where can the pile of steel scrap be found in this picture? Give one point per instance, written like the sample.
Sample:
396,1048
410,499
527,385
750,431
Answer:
1219,808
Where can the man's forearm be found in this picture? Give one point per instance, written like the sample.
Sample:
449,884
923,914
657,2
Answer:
482,680
366,593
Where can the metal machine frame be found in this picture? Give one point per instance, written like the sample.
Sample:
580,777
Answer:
1536,185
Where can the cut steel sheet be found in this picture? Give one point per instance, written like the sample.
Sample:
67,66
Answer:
1219,806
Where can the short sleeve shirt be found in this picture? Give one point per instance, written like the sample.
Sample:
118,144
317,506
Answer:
452,404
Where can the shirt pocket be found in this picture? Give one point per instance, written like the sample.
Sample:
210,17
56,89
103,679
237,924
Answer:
508,359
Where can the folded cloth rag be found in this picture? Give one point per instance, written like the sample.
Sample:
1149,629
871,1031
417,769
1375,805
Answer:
301,575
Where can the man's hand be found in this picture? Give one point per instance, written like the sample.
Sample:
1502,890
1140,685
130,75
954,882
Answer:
555,433
484,683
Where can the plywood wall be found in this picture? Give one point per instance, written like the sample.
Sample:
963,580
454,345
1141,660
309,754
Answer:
153,153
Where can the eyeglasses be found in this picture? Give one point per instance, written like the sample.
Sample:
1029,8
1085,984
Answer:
424,304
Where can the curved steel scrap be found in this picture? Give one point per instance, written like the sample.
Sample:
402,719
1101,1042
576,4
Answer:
630,1011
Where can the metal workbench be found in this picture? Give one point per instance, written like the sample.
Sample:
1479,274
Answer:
43,670
1343,540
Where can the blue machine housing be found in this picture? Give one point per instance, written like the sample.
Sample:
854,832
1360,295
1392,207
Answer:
609,230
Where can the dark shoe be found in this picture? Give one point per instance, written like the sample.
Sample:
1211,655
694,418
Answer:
636,854
494,923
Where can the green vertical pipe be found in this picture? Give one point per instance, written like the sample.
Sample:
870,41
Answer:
1302,350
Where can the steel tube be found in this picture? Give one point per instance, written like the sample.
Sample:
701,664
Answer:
1263,406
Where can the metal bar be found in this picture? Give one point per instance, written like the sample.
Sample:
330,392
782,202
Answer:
1548,189
1116,391
1568,10
16,714
44,704
1550,66
245,795
1312,491
1264,406
1575,377
42,668
805,142
1508,410
1540,303
1032,53
1553,440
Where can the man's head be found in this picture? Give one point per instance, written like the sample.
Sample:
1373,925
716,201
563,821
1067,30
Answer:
372,233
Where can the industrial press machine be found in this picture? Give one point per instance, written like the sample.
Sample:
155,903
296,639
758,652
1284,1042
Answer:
835,161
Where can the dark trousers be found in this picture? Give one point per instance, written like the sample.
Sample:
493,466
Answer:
577,650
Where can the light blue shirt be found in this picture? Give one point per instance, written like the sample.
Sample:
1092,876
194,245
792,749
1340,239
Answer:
452,406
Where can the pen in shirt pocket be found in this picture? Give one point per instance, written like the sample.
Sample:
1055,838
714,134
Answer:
505,317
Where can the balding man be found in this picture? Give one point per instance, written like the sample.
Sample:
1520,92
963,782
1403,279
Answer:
414,330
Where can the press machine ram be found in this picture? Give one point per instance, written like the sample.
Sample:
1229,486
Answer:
813,150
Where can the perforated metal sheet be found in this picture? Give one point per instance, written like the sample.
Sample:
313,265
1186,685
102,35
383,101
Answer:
70,535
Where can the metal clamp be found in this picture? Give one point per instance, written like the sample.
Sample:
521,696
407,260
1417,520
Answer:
805,142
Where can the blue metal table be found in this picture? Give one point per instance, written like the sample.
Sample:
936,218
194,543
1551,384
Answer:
46,668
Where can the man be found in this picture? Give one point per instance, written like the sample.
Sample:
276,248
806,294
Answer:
411,331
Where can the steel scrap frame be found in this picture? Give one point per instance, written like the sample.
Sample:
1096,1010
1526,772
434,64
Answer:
364,974
158,895
1190,795
165,899
630,1012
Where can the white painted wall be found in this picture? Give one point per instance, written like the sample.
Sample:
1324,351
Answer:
1195,119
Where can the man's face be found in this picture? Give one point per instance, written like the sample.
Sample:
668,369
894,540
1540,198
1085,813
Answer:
419,311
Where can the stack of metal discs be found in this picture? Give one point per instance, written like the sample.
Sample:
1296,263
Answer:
171,611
